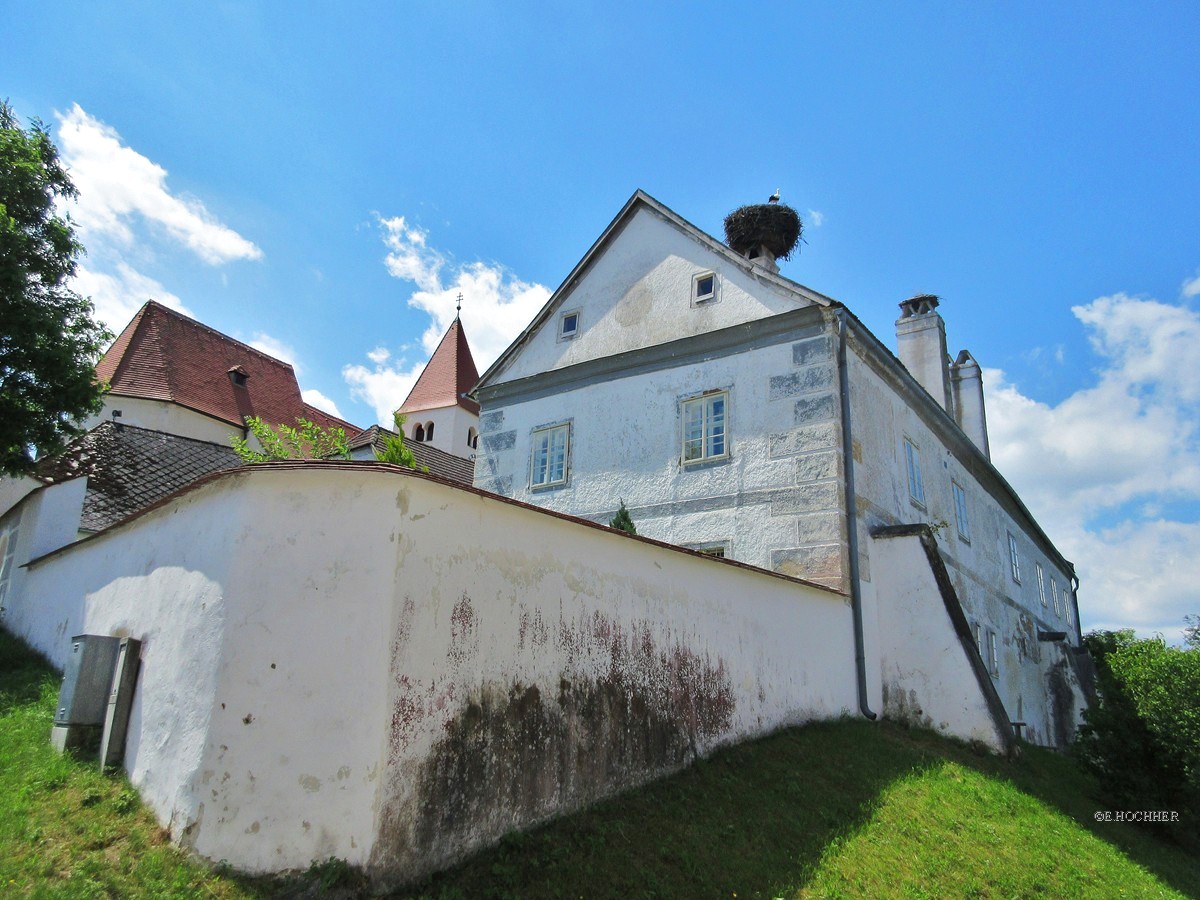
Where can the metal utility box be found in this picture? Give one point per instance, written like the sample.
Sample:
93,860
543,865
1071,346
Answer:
83,699
120,701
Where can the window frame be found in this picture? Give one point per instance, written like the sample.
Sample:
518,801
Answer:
548,432
1041,580
715,549
704,401
993,655
1054,597
562,321
961,518
912,468
1014,559
711,296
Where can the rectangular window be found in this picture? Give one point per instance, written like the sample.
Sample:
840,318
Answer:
912,459
704,428
978,639
1014,561
704,287
568,325
960,511
719,549
1054,596
1067,606
548,461
993,656
1041,583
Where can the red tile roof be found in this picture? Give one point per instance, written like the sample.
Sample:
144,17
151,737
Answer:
449,375
164,355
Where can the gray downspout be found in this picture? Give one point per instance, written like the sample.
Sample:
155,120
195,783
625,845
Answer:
860,654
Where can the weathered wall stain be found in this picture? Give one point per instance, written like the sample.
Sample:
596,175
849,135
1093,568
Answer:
511,754
1062,700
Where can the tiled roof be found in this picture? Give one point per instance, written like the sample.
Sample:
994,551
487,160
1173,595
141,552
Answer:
449,376
164,355
438,462
129,468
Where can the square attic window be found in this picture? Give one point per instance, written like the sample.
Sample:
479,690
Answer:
704,287
568,325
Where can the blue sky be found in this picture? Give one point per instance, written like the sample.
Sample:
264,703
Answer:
322,180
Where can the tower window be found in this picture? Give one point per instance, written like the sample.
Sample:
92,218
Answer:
472,438
419,434
429,431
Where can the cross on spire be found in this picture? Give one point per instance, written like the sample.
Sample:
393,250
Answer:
458,305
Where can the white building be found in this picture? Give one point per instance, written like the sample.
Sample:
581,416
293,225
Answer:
741,414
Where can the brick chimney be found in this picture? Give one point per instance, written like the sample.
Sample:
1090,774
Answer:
921,346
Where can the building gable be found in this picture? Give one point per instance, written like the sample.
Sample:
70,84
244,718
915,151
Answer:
643,283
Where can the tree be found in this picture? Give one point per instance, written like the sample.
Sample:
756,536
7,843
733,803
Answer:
394,450
49,342
622,521
1142,737
308,441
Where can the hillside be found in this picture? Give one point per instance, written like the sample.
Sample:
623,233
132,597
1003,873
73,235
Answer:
834,810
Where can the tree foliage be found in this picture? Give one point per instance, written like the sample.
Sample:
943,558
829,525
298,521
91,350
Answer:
394,450
622,521
1142,737
49,342
307,441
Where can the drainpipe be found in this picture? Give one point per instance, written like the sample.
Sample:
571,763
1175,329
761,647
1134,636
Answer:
860,654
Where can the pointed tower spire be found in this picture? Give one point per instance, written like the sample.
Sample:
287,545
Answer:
449,375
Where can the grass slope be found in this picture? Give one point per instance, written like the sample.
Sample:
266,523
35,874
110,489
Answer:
845,809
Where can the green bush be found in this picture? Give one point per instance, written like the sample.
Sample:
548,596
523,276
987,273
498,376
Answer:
1142,737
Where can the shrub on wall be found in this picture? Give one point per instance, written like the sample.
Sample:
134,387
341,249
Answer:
622,521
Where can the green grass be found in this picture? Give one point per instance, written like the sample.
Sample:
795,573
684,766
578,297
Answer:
847,809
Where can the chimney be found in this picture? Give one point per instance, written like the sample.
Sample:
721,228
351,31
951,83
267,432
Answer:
763,232
921,346
967,383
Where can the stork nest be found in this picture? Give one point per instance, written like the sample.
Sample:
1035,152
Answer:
772,225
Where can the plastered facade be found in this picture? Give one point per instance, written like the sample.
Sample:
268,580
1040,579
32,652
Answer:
166,416
327,647
779,500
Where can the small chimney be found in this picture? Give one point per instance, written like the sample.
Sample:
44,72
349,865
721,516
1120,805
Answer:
763,233
921,346
967,383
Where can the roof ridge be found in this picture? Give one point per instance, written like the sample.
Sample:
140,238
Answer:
220,334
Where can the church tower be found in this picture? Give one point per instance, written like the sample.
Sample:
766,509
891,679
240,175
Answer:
439,412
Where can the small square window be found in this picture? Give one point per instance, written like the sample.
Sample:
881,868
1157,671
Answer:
704,287
912,461
1014,561
548,465
704,428
960,511
568,325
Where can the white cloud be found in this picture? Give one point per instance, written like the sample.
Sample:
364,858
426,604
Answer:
816,218
382,386
1099,468
119,186
315,398
1191,287
496,307
120,294
276,348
